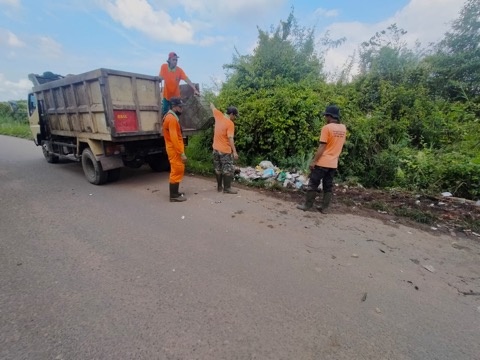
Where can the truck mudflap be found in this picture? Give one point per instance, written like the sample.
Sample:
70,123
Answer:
110,162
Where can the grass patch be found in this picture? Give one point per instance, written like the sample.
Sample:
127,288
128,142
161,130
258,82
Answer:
423,217
12,127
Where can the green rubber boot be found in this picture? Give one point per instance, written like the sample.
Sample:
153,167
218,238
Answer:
309,200
227,185
327,197
219,182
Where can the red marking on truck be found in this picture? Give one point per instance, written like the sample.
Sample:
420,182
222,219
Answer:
125,120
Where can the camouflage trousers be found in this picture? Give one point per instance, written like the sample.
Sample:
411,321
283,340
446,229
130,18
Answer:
223,163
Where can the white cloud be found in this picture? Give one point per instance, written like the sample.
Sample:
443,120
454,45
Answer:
14,3
230,10
13,40
320,12
10,39
49,47
158,24
424,20
14,90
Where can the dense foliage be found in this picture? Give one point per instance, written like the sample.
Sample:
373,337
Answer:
412,114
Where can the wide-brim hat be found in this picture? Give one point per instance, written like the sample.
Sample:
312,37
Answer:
333,111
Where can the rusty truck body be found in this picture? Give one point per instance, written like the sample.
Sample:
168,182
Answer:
105,119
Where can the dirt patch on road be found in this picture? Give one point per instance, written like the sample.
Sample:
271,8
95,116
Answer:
434,214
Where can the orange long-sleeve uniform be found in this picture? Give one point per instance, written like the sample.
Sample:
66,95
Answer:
172,134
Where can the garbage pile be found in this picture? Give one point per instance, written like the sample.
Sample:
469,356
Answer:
271,174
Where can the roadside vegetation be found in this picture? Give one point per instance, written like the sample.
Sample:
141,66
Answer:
13,119
413,114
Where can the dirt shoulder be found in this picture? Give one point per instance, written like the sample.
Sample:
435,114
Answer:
454,216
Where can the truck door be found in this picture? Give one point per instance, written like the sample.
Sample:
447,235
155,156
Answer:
34,117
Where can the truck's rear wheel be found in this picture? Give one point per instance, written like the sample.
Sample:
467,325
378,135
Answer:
93,169
51,158
159,162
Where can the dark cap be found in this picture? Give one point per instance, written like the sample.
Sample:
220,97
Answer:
172,55
333,111
232,110
176,101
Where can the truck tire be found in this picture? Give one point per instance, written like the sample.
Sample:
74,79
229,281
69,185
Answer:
113,175
51,158
93,169
159,162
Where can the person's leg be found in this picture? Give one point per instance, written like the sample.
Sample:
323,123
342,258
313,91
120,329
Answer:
327,190
316,176
217,166
177,170
228,171
165,106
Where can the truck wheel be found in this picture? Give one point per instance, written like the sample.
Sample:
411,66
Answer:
159,163
51,158
113,175
93,169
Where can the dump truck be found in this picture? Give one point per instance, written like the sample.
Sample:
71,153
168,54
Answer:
106,119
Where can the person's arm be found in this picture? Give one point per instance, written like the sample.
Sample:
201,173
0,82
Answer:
178,146
192,85
232,145
318,154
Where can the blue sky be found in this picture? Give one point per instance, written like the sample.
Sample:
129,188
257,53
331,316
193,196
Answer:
75,36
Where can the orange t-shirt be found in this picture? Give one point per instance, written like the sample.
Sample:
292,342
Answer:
172,80
224,128
173,134
334,136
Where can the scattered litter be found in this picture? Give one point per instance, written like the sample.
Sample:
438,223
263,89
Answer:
477,203
417,202
364,297
383,251
434,228
378,311
90,194
354,255
173,270
429,268
183,217
382,212
474,233
446,194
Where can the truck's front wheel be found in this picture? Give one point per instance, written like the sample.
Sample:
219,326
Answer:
50,157
93,169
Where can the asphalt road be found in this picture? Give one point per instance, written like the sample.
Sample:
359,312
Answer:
118,272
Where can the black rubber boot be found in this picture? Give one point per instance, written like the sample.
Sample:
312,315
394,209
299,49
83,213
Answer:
227,185
219,182
175,196
327,197
309,199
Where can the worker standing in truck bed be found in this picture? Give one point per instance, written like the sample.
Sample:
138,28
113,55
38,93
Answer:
172,74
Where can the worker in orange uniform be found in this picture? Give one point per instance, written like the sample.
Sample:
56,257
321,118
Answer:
172,74
325,162
224,152
172,134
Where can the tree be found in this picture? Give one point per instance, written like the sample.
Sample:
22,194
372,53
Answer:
456,61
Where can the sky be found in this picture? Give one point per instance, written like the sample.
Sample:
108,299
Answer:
76,36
